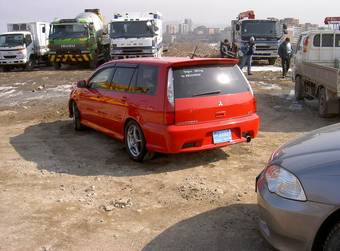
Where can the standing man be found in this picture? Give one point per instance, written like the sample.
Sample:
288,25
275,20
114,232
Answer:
285,53
248,51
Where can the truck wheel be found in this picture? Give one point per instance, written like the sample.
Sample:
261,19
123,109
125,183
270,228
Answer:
272,61
135,143
323,104
56,66
299,89
332,242
29,65
94,63
5,69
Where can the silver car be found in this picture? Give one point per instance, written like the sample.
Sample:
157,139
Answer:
299,193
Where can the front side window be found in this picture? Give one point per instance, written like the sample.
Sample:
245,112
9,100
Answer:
146,81
328,40
214,80
102,80
317,41
122,78
28,39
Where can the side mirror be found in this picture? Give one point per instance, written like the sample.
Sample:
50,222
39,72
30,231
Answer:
238,27
44,29
82,84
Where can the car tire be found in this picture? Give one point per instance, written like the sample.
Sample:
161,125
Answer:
299,89
76,118
332,242
323,104
56,66
272,61
135,143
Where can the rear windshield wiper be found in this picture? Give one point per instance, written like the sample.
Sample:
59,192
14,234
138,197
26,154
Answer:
207,93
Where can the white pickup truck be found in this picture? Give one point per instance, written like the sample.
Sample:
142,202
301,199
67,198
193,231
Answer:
316,71
24,45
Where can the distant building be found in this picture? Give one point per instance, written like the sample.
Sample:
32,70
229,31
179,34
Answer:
188,22
291,22
201,30
183,29
171,29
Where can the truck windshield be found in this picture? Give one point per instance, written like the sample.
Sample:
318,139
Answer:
69,31
11,40
130,29
264,28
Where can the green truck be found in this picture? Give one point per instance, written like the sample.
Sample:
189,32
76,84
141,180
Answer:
82,40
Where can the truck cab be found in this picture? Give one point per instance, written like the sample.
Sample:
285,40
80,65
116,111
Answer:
136,35
268,34
24,45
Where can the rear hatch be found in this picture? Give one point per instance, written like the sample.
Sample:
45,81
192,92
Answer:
206,93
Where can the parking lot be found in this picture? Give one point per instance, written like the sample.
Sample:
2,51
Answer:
63,190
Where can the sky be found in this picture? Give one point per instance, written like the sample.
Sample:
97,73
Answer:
208,12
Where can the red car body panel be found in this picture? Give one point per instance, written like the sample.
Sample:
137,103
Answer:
186,127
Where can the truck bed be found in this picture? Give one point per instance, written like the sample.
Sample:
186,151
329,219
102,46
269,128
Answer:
326,76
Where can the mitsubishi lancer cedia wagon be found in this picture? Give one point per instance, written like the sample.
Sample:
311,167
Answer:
167,105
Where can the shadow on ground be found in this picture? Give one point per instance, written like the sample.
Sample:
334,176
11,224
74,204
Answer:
56,147
229,228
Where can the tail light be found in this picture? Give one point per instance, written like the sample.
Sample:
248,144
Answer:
170,99
305,44
254,105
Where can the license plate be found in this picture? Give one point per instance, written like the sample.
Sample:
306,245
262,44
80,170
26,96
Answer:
222,136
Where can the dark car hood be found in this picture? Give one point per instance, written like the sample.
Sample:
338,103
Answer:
317,151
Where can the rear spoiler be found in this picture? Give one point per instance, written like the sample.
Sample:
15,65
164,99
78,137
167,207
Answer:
206,61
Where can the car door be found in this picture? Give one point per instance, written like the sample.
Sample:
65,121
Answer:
146,100
116,105
92,99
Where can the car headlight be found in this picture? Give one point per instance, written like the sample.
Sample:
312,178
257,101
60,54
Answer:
284,183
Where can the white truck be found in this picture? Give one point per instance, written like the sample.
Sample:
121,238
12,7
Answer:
136,35
24,45
317,71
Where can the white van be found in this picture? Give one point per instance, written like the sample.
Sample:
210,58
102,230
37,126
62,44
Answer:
320,46
316,69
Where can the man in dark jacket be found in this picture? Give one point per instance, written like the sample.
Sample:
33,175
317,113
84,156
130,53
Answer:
285,53
248,51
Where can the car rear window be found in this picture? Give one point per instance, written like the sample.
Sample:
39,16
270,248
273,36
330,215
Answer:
209,81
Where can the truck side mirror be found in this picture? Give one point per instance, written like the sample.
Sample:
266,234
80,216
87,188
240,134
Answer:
43,29
238,27
82,84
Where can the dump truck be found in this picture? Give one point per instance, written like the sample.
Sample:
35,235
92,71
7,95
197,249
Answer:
24,45
317,70
268,33
82,40
136,35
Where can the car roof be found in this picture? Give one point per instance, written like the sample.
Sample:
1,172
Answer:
176,61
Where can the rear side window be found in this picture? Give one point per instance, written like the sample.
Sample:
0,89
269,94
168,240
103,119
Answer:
328,40
122,78
209,81
146,81
337,40
317,41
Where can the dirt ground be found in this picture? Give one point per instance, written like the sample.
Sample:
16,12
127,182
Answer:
67,190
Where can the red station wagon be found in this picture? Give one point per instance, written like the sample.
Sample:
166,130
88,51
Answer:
167,105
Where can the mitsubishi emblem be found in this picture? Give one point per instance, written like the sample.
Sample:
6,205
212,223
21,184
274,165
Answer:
220,104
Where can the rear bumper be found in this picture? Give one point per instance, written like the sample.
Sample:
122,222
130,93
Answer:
288,224
198,137
123,56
